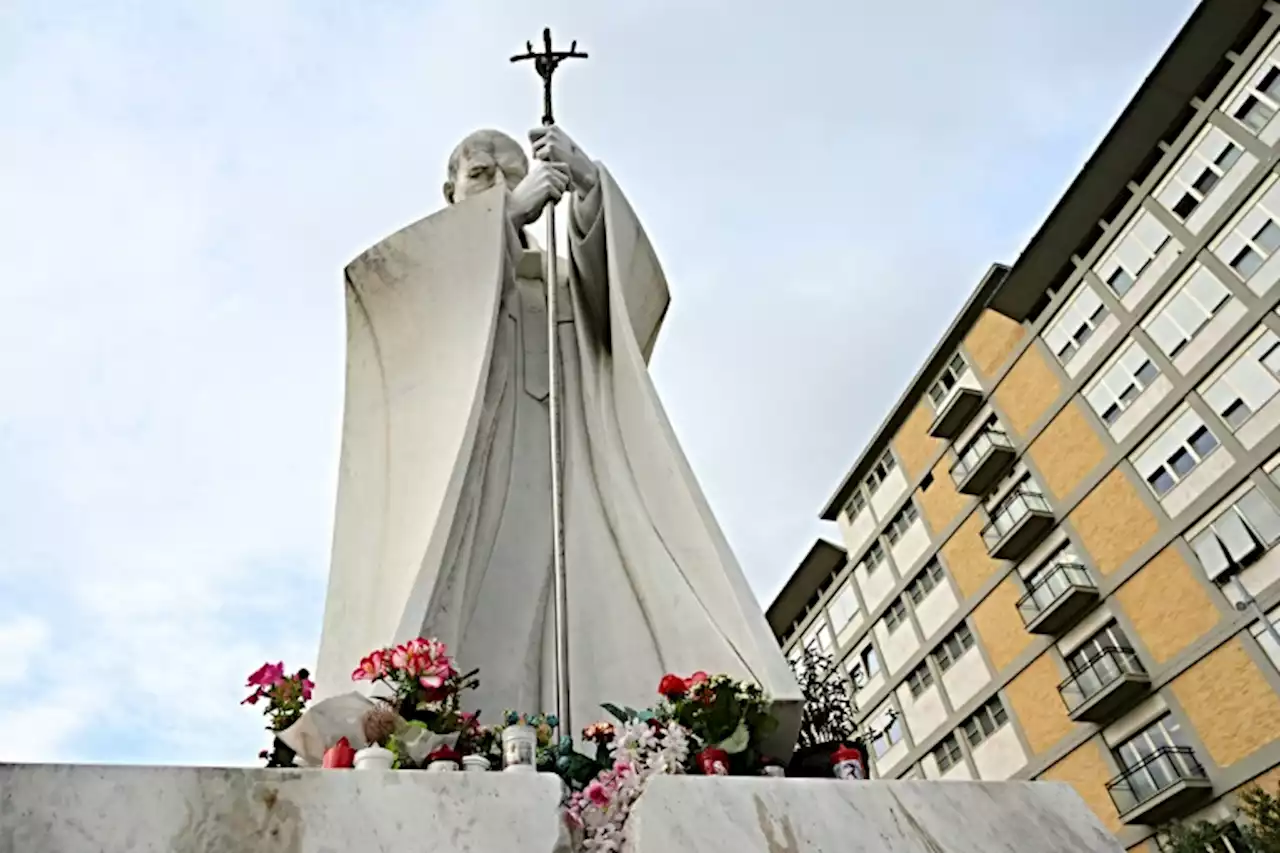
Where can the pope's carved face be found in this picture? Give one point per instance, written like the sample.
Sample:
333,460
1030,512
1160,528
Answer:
480,161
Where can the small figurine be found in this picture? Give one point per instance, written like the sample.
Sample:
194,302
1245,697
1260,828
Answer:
847,763
443,759
714,761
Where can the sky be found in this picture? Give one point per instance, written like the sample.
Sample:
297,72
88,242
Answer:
183,181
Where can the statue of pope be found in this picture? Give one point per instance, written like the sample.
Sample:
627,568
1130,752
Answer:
443,523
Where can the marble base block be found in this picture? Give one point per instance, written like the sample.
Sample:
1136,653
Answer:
738,815
92,809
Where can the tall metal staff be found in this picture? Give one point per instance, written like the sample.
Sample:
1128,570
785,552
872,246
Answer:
545,63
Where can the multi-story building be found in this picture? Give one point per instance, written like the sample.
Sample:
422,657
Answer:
1060,542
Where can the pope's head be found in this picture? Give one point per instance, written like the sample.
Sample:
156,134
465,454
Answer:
480,161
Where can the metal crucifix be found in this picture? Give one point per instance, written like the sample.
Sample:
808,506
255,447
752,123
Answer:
545,64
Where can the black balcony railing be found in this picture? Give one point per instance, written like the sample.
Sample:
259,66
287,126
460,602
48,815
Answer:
1010,512
1100,670
1155,774
987,441
1057,582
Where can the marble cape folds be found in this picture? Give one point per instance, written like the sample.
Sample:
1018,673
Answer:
443,515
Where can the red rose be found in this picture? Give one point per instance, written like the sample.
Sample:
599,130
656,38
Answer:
671,686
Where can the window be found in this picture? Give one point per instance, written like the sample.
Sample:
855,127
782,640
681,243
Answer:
901,522
1201,171
865,667
886,737
951,375
1266,639
1076,324
1258,246
1144,239
1017,480
1249,243
925,582
1247,384
985,721
920,679
1119,385
1093,655
881,472
1187,311
874,558
857,503
1065,555
1148,774
1229,839
843,607
953,647
895,616
1176,453
819,637
947,753
1239,536
1261,100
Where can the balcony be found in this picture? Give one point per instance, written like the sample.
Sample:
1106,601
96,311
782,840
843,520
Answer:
1057,601
983,463
1110,682
1017,525
955,412
1168,784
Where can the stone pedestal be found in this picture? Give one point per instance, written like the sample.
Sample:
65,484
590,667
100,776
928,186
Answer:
737,815
90,809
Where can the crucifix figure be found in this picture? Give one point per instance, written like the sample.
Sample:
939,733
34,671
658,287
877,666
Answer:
445,523
545,64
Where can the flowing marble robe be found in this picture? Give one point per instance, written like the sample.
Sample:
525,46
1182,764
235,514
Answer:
443,520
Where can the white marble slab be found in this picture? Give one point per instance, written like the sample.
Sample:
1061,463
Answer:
92,809
683,815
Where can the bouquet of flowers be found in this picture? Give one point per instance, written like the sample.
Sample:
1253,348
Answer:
727,719
710,723
426,689
476,739
637,752
424,682
287,697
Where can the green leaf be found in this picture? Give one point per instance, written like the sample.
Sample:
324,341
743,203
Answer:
618,713
738,741
644,716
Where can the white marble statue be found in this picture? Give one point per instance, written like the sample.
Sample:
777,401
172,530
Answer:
443,519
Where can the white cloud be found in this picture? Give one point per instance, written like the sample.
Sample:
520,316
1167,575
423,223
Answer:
22,643
184,182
